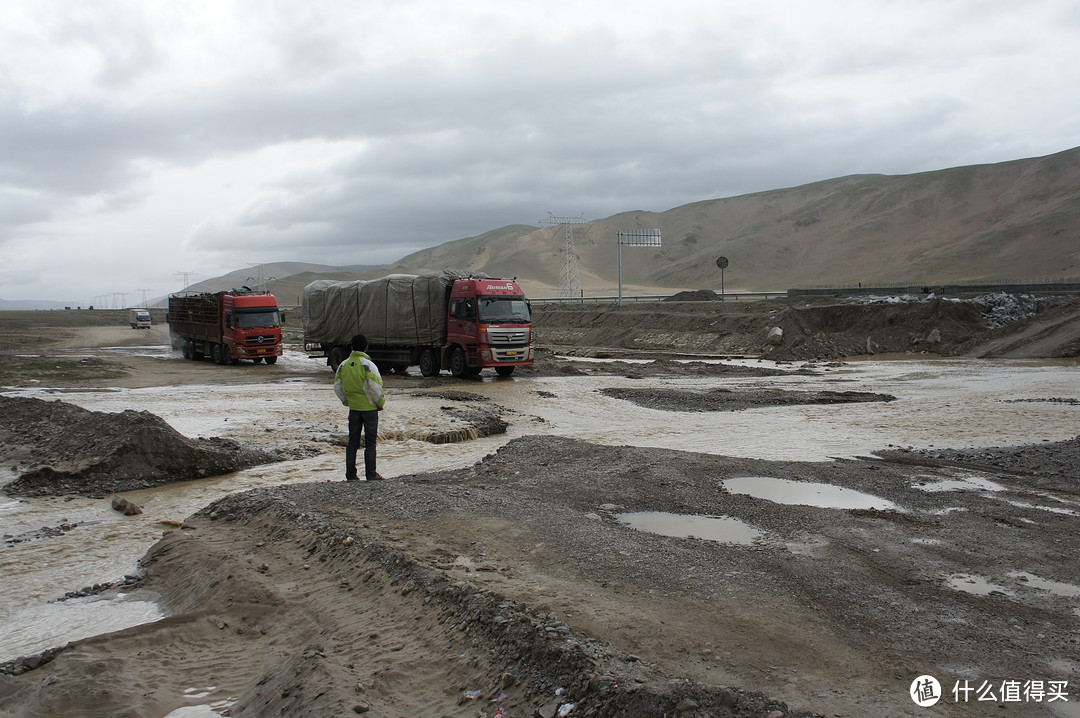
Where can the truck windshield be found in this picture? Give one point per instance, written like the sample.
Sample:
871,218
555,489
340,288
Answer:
504,310
257,319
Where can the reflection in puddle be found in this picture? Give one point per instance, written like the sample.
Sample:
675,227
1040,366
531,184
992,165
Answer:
976,585
1057,588
805,493
723,529
960,483
1040,507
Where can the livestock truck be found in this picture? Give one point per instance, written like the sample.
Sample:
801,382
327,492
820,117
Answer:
226,326
451,320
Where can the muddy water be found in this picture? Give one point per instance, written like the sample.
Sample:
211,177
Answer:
939,403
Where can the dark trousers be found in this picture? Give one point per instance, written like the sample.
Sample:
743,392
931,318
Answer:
368,423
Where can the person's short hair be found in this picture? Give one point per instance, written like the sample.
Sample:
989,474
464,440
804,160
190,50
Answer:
359,343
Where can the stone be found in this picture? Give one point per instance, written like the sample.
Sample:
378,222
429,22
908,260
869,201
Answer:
125,507
774,337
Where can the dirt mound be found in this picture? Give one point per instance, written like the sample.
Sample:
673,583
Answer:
734,400
65,449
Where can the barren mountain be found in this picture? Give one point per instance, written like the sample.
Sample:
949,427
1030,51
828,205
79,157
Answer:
1015,220
1008,221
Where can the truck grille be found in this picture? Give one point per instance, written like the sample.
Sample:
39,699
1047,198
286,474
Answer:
261,340
508,344
499,338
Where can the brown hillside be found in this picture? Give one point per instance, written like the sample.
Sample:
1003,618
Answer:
1007,221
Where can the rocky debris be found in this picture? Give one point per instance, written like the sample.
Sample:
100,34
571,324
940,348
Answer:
1051,465
126,507
96,589
774,337
735,399
46,532
1003,309
24,664
64,449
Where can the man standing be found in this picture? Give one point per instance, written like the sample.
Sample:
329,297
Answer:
360,387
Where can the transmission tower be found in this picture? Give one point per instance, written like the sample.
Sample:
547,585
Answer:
186,276
569,286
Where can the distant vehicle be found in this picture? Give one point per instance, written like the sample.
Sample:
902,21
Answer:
139,318
226,326
450,320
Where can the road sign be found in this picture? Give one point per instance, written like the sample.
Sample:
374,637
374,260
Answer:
722,263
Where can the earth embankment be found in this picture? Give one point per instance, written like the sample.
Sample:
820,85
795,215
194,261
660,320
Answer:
833,328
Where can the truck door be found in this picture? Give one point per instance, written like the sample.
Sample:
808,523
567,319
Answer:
462,322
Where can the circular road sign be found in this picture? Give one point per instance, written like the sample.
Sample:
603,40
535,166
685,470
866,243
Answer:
722,263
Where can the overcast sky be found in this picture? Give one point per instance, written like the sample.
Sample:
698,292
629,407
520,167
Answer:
141,139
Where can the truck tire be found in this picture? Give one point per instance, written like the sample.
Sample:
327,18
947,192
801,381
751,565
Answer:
429,363
186,349
459,365
271,360
215,353
337,355
504,370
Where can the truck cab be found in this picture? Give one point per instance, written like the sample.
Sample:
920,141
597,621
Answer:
488,325
251,326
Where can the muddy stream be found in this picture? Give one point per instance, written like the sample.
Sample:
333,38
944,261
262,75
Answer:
940,403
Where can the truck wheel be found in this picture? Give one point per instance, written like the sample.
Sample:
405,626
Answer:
186,349
459,366
215,353
337,355
429,363
504,370
271,360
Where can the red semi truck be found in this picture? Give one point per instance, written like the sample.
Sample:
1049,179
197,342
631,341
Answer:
226,326
451,320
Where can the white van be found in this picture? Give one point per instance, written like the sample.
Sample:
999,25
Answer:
139,318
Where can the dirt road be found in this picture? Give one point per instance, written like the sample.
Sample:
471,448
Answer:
521,583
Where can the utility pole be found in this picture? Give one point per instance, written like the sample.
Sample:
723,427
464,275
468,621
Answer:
186,276
569,285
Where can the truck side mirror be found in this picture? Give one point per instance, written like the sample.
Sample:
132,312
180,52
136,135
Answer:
228,319
283,317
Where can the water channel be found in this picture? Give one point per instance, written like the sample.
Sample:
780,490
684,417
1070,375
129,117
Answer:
940,403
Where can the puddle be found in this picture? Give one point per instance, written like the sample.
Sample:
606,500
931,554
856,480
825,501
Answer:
804,493
722,529
960,483
976,585
1057,588
1051,509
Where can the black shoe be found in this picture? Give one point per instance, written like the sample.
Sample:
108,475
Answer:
375,477
352,478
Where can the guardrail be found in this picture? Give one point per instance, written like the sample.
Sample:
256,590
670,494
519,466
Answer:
727,296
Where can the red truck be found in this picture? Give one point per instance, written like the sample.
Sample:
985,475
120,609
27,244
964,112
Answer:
226,326
453,320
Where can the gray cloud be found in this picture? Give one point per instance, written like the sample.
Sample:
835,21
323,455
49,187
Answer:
195,130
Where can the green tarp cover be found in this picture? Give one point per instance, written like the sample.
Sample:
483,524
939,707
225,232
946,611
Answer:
398,310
